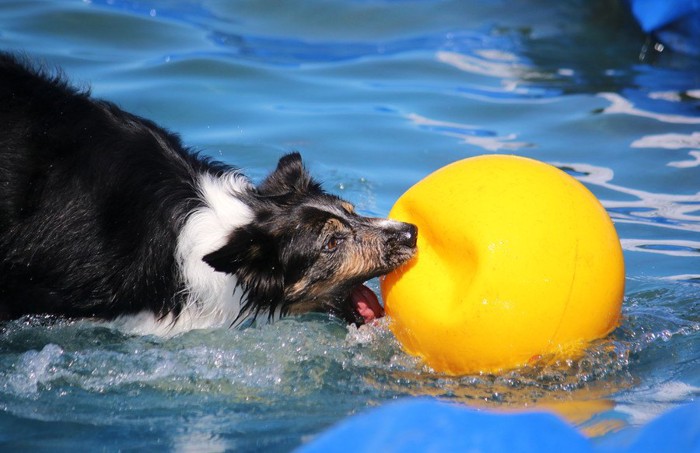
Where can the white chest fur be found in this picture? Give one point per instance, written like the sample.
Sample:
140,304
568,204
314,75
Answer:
213,298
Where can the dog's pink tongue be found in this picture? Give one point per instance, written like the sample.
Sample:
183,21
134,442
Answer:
366,303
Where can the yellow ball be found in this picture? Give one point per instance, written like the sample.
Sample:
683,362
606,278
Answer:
516,259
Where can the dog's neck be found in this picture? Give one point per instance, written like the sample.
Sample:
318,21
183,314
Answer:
210,299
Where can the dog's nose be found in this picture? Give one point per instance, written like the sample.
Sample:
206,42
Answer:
407,235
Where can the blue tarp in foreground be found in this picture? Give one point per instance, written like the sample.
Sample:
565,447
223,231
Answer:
423,424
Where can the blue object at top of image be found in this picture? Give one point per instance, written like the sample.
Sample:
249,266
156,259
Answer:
676,23
653,14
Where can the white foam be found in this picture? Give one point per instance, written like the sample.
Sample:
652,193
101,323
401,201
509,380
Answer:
33,369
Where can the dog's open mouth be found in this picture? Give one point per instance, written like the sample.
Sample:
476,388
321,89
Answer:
362,301
360,304
365,303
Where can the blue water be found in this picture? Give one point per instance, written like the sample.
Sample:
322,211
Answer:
376,95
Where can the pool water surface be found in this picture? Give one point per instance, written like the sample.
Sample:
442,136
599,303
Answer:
375,95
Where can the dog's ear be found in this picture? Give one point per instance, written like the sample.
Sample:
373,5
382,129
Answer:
249,248
289,176
251,255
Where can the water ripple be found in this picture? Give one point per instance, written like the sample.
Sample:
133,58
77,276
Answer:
675,211
473,135
663,246
492,63
674,141
294,51
620,105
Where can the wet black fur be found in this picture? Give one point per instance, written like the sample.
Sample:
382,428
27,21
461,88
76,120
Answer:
92,200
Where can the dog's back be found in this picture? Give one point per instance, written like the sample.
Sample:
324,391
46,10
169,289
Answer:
91,199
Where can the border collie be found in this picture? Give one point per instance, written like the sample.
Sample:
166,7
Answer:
104,214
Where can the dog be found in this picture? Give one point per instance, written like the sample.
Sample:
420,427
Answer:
106,215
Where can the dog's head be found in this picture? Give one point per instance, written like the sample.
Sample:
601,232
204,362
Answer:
306,250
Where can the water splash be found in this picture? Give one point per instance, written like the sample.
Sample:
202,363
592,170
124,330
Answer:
32,369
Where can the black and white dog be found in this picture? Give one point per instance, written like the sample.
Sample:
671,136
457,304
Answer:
104,214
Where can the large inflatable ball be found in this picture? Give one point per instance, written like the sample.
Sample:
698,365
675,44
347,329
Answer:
516,260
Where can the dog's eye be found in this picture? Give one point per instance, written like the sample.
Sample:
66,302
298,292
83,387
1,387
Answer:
332,243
